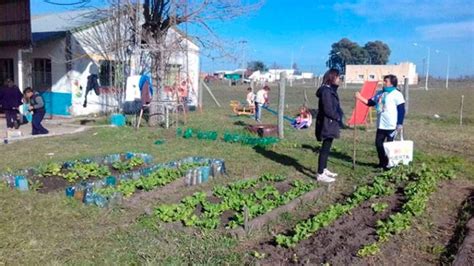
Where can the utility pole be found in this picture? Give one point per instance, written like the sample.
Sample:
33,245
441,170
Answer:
427,68
447,73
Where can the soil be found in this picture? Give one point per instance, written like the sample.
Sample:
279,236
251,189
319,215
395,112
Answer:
51,183
338,243
465,254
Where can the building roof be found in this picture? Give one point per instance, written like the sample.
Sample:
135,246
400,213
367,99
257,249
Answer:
64,21
55,25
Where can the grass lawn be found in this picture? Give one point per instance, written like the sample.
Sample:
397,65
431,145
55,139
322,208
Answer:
48,228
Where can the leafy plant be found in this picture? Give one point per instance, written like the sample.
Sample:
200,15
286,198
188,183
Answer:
368,250
49,169
35,185
379,207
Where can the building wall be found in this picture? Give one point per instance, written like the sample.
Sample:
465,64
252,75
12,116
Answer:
54,50
11,53
360,73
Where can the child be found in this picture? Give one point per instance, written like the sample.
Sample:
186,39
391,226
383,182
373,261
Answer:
36,103
261,99
250,98
303,119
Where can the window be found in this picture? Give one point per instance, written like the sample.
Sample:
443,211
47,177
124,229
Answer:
42,78
361,76
106,73
371,76
6,69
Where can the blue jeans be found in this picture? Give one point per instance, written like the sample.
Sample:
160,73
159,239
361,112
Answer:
38,116
258,111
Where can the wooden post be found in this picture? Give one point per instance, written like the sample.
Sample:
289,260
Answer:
246,220
200,95
305,104
354,136
406,91
461,109
281,105
212,95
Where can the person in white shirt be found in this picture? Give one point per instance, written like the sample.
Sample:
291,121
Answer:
260,99
250,98
390,106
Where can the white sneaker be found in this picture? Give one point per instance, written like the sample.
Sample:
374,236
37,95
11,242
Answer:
324,178
329,173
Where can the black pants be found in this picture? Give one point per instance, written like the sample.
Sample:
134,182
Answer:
38,116
323,155
380,137
12,117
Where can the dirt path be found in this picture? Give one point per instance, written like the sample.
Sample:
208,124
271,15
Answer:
466,252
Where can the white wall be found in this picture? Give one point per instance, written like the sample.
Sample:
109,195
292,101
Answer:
55,51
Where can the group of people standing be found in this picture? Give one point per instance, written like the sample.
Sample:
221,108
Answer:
11,99
388,102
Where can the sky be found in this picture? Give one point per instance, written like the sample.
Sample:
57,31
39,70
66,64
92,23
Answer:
285,31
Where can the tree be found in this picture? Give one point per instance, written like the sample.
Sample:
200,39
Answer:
345,52
294,67
378,52
161,15
256,66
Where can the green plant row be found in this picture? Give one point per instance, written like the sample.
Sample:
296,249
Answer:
260,201
128,165
78,171
303,230
423,182
158,178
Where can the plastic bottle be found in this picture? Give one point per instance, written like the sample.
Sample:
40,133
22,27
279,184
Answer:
205,173
21,183
111,181
88,196
79,193
70,192
198,175
100,200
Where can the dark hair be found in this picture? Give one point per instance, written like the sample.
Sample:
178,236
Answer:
330,76
392,78
249,89
267,88
28,89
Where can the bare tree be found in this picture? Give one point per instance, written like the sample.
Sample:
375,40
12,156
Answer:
162,15
151,38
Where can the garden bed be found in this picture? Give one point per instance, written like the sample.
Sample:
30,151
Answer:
339,243
233,205
347,230
92,182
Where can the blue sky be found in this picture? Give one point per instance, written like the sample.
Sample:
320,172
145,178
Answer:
304,30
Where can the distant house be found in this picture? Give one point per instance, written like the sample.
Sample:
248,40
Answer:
359,73
60,60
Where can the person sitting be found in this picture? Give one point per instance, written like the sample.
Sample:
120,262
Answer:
36,103
303,119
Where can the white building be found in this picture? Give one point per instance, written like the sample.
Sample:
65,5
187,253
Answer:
359,73
61,59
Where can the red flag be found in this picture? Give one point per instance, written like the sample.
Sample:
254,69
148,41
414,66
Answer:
367,91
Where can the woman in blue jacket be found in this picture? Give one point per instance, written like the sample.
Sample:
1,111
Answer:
328,121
